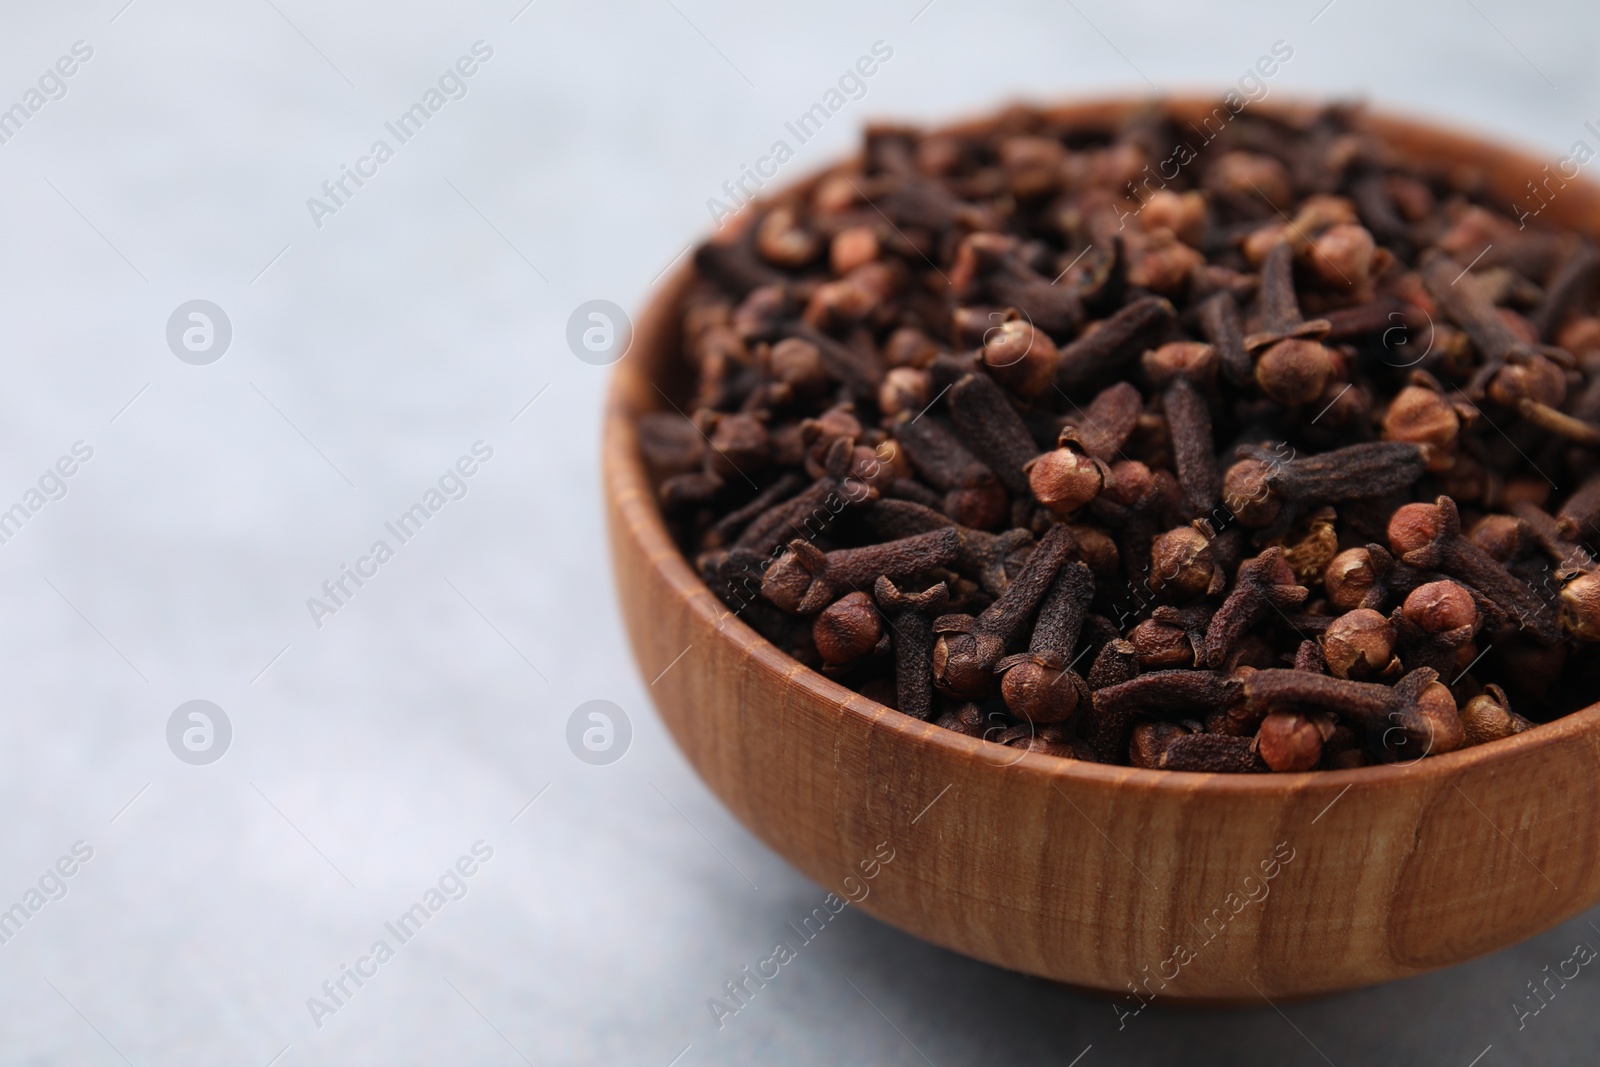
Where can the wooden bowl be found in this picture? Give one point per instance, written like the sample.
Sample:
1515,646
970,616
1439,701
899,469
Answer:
1108,877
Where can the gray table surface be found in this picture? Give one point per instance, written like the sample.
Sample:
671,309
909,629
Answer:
371,347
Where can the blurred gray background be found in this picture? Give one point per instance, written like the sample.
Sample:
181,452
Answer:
371,352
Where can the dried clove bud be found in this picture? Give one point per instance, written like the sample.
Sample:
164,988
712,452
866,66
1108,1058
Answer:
1429,536
962,365
1183,566
1065,480
1358,644
1288,741
805,579
1488,717
847,629
991,427
1212,754
1104,351
1414,718
1263,583
911,625
965,654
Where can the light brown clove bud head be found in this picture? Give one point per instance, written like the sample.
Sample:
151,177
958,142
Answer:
1358,644
1162,647
1423,417
1021,357
1439,607
798,364
867,467
960,668
1041,690
1342,256
1439,720
1413,526
905,391
839,303
852,247
838,421
977,255
1488,717
847,629
786,582
1348,578
1065,480
893,455
1182,213
1580,607
1259,243
1251,175
878,279
1164,265
739,446
835,193
982,507
909,347
1320,211
1498,535
1183,566
1098,550
1534,377
780,239
1130,483
1246,493
1288,741
1294,372
1180,359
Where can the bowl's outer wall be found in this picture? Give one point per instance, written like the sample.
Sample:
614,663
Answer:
1108,877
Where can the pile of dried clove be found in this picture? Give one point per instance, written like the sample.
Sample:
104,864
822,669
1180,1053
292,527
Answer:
1269,450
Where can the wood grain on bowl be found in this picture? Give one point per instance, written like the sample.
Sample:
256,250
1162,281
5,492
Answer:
1165,883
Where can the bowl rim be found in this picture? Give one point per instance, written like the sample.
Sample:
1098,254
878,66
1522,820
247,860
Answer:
629,486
